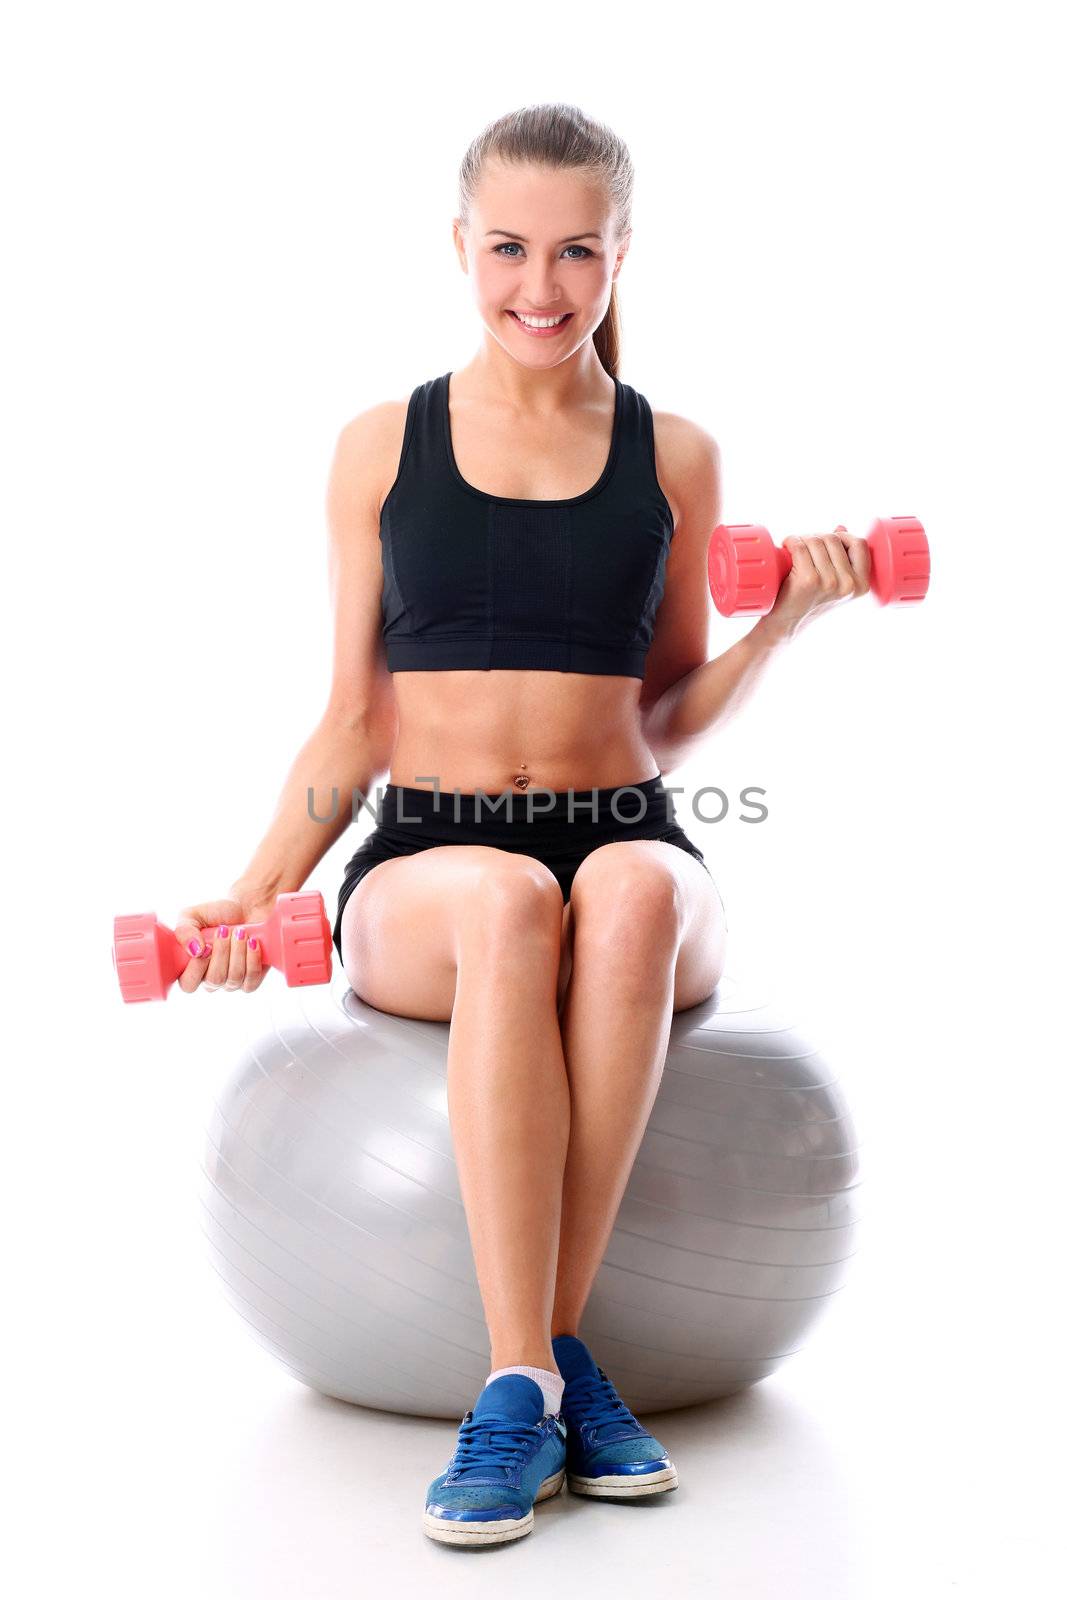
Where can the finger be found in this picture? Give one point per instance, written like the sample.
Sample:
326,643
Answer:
238,945
844,578
805,572
219,965
255,971
823,564
859,557
206,914
798,549
189,932
189,927
192,975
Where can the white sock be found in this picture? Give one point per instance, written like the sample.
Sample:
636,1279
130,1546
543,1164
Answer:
551,1384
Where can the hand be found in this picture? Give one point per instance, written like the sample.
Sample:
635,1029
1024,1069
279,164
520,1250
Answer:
230,961
826,569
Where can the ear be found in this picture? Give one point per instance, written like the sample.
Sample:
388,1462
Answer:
460,242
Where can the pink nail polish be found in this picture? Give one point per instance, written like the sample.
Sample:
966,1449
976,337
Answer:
253,944
239,933
206,951
223,931
194,947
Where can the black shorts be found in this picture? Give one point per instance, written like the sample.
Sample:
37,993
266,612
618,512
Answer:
558,828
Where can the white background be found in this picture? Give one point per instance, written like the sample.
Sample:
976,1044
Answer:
228,230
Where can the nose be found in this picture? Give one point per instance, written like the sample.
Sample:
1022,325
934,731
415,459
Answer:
543,293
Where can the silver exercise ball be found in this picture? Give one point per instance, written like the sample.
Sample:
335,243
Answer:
332,1208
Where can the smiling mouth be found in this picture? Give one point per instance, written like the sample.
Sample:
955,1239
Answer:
539,324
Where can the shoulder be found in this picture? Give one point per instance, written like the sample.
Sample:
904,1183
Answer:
688,465
367,451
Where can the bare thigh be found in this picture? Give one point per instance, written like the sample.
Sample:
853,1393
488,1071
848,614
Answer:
402,923
614,874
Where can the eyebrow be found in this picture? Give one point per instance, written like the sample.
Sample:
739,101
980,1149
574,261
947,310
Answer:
508,234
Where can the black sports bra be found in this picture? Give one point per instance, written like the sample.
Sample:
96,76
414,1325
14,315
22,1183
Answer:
473,580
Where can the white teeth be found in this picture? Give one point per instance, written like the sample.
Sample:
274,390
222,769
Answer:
540,322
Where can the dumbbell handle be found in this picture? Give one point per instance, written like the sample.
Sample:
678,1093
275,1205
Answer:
269,951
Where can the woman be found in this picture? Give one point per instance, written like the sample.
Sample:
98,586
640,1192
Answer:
502,542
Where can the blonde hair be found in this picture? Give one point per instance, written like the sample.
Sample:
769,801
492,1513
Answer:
559,136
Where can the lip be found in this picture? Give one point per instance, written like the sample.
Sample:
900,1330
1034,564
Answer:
521,311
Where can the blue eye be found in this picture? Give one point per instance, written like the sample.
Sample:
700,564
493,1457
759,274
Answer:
513,244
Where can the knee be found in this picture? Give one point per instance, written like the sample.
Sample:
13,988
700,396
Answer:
627,899
513,895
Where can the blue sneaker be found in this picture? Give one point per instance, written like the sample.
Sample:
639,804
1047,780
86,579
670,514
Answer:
609,1453
509,1454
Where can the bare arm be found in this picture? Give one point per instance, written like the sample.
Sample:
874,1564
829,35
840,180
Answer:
351,746
684,695
708,696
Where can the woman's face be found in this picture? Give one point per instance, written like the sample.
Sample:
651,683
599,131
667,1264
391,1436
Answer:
541,242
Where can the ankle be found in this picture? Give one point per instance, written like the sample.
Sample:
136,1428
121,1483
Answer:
548,1379
523,1356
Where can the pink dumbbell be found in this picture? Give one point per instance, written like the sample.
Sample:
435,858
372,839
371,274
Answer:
295,937
746,567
